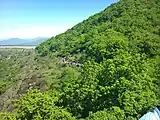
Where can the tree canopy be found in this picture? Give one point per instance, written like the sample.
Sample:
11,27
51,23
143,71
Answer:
120,50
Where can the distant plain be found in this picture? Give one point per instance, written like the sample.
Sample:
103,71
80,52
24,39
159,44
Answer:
11,47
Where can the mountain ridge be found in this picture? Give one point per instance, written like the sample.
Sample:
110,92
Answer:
119,18
18,41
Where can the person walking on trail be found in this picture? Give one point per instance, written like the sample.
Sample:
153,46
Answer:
153,115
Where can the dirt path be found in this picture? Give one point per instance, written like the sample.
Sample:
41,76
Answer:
67,61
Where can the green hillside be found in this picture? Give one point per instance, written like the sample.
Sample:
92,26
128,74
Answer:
134,24
120,50
118,53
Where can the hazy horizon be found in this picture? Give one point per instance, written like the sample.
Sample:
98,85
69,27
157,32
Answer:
1,39
31,19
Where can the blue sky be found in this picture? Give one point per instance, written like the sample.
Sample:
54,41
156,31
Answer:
34,18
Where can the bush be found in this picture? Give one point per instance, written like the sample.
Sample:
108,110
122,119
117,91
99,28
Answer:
7,116
113,114
36,105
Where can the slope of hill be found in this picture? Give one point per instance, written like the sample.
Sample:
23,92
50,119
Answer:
135,22
120,49
119,80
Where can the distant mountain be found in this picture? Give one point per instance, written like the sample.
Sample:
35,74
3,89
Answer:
18,41
35,41
13,41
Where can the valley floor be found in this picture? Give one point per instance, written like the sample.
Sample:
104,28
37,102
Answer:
19,47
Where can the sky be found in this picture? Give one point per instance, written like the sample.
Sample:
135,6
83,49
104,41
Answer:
44,18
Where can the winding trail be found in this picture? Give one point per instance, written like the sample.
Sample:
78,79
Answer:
66,61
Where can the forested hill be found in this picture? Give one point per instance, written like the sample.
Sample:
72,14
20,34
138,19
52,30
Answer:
133,25
120,50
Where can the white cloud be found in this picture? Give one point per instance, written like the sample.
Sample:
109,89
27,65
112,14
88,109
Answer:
32,31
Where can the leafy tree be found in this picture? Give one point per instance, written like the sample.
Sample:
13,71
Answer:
7,116
115,113
41,106
124,81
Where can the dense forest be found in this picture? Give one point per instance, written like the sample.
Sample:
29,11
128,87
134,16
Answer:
118,51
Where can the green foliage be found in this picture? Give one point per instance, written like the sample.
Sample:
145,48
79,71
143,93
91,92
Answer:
124,81
119,48
2,86
120,52
7,116
21,70
41,106
115,113
136,22
11,63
